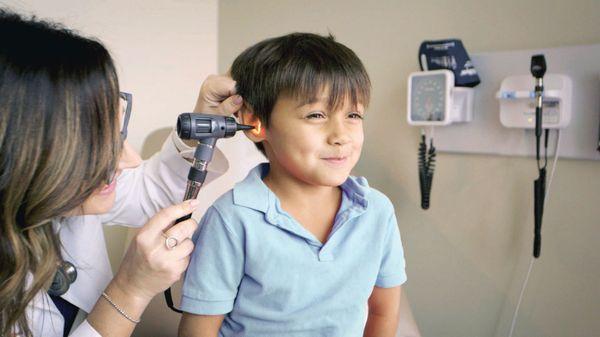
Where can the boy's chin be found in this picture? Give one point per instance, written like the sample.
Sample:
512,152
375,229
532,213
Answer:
333,180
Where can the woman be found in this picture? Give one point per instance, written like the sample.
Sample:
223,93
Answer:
66,168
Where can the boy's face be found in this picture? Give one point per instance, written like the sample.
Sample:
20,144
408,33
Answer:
313,144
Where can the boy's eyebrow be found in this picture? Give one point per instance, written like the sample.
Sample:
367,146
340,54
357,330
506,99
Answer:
356,107
311,101
304,103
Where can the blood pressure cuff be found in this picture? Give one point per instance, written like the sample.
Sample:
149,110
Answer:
451,55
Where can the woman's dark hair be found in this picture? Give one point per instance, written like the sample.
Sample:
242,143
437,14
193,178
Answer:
300,65
59,142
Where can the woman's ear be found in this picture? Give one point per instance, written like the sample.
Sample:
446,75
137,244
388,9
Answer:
248,117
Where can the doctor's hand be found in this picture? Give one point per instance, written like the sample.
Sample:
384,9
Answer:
151,265
218,96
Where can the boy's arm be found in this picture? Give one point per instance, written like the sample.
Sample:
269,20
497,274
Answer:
215,272
384,302
384,307
200,325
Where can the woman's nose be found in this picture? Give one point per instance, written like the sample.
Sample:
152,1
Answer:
129,158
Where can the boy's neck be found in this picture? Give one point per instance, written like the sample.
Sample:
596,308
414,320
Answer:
313,206
294,192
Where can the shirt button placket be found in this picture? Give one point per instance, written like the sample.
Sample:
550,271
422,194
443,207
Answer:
325,256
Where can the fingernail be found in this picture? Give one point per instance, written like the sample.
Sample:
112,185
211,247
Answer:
194,203
237,99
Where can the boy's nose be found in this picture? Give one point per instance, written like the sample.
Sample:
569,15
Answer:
338,134
129,158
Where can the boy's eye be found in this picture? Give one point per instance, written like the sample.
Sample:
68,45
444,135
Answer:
355,115
315,115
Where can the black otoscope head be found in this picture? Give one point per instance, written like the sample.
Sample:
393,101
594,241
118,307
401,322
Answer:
538,65
538,69
200,126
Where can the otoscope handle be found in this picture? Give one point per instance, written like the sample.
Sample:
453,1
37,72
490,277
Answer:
195,180
196,177
539,101
538,121
183,218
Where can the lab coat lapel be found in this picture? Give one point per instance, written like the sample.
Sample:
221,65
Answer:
83,245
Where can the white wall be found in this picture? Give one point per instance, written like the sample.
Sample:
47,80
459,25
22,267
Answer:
468,254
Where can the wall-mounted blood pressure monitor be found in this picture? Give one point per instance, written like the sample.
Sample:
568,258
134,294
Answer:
434,100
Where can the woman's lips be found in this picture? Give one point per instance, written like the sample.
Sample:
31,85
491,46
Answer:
108,189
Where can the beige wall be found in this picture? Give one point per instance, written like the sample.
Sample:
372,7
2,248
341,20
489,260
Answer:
467,256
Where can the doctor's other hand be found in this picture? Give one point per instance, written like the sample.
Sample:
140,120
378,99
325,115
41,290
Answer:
218,96
150,266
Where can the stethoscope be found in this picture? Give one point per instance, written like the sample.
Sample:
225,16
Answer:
65,275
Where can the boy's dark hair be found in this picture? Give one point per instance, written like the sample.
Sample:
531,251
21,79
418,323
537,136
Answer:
300,65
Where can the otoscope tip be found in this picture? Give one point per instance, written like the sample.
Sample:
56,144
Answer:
244,127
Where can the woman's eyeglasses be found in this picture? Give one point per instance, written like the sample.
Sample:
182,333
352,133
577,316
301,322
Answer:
124,120
127,98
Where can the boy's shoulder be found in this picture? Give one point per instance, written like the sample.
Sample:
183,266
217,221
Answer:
225,200
239,202
225,203
226,213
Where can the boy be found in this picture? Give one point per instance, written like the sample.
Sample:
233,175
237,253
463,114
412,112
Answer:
298,247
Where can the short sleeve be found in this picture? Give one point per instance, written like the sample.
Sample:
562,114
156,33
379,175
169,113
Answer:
216,268
392,268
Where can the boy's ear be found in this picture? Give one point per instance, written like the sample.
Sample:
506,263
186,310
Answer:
248,117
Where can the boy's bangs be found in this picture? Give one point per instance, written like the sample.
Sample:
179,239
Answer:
337,87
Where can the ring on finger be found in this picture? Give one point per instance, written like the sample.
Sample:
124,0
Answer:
170,241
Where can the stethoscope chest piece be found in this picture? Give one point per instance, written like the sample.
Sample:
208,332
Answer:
66,274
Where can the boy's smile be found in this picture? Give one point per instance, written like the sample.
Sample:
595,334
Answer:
312,145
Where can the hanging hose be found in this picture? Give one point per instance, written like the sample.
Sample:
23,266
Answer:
426,168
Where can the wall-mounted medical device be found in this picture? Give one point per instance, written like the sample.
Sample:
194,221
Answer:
449,54
517,101
433,100
439,95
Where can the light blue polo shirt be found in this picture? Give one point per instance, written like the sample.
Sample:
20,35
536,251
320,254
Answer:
271,277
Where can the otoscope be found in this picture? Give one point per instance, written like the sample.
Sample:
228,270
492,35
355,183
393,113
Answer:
538,69
206,129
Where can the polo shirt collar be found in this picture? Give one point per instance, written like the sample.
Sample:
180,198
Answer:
357,189
253,193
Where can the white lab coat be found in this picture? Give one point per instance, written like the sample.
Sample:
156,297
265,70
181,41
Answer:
141,192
